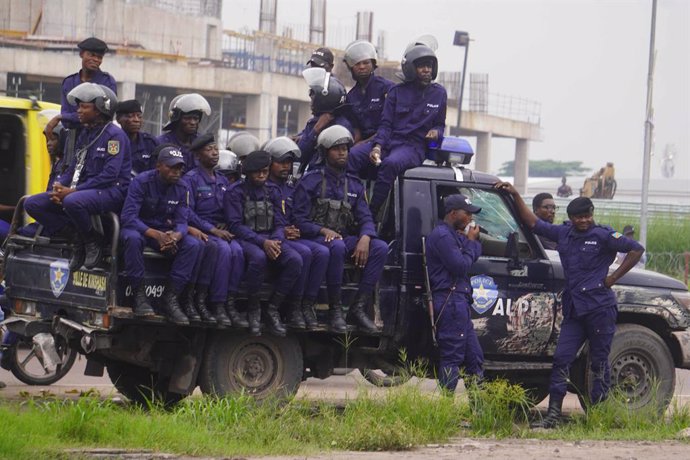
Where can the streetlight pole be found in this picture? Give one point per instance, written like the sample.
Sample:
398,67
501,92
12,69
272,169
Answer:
462,39
648,132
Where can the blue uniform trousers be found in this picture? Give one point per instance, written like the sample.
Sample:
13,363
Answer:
4,230
402,155
289,264
314,265
598,327
133,243
358,162
223,269
457,341
206,263
340,249
76,208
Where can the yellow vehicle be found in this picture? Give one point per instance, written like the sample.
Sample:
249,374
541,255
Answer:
24,161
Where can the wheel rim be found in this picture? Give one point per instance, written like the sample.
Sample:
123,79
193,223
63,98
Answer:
255,368
633,374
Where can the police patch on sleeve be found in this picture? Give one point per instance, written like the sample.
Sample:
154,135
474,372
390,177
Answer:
113,147
616,235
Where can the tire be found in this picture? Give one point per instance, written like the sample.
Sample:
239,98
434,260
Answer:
380,378
642,369
140,385
27,367
264,366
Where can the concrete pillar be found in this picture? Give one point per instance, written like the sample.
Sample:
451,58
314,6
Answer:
262,111
482,157
126,90
3,83
303,114
521,165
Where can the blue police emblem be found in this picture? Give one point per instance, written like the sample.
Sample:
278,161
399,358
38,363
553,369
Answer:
484,293
59,275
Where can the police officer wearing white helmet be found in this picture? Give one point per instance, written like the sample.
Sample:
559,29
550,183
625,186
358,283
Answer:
185,114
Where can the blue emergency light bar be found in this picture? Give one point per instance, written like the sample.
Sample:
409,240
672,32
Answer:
453,150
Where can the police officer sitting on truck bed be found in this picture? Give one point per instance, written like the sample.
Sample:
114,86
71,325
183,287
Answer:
129,116
254,212
155,214
97,178
329,206
185,114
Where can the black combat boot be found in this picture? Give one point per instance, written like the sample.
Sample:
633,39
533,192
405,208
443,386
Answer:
218,309
553,415
93,249
142,307
171,305
295,316
187,304
358,316
272,315
254,314
309,314
237,318
336,323
200,295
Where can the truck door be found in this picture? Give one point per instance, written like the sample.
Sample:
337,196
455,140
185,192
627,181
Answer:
515,305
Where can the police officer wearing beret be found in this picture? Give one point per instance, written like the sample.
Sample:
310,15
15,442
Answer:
129,115
155,214
218,277
451,249
589,304
253,209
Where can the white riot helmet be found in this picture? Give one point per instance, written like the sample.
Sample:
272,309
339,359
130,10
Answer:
227,162
333,136
184,104
104,98
45,115
281,148
243,143
358,51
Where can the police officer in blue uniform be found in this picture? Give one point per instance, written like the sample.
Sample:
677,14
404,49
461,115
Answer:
315,256
155,214
97,178
451,248
129,115
589,305
329,206
253,209
366,99
185,114
414,114
207,188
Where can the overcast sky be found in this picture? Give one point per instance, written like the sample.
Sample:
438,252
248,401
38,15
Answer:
585,61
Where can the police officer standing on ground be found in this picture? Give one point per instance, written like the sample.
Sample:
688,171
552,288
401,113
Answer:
155,214
97,178
253,209
315,256
329,206
545,208
207,188
414,114
589,305
366,99
185,114
129,115
323,58
564,191
451,249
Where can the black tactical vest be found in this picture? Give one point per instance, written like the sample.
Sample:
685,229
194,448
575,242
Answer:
334,214
258,215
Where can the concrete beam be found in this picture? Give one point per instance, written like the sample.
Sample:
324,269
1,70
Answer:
521,165
474,123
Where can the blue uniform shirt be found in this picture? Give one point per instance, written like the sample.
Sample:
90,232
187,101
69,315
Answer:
309,190
367,103
308,137
449,256
586,257
411,111
142,149
206,196
68,111
233,205
287,189
108,159
152,203
169,137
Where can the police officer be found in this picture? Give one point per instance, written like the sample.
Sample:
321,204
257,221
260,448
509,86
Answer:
228,166
329,206
328,106
242,144
589,305
315,256
97,178
129,115
414,114
253,209
545,208
322,58
451,248
366,99
185,114
207,189
155,214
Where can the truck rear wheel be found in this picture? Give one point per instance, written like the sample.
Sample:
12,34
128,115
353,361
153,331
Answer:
642,368
141,385
260,366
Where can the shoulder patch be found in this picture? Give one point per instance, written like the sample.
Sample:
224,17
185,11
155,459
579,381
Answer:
616,235
113,147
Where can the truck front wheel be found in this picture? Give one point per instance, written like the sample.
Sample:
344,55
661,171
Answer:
260,366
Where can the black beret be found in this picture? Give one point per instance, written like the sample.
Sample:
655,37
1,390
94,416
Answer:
93,44
256,161
130,106
580,205
202,141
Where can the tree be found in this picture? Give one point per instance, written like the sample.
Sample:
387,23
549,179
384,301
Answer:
546,168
